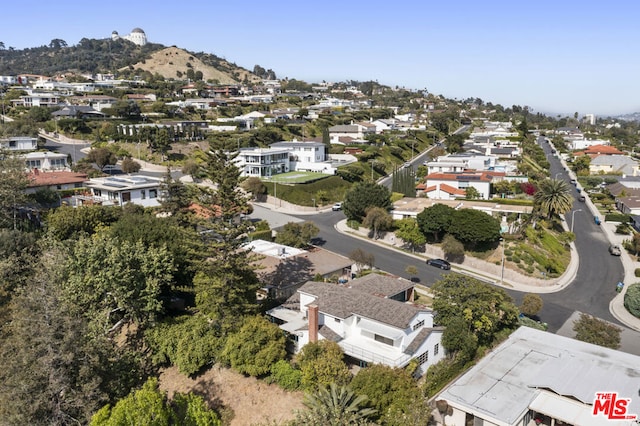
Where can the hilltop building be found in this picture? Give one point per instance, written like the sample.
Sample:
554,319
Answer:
136,36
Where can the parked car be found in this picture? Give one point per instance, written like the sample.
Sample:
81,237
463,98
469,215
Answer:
407,165
615,250
582,198
439,263
336,207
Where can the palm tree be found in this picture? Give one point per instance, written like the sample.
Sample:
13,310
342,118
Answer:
334,406
552,198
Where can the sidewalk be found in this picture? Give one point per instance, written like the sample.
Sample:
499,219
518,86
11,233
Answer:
486,271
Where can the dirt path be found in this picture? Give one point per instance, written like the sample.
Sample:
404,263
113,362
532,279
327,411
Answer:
252,401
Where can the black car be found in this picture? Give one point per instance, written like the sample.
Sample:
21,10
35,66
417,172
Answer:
439,263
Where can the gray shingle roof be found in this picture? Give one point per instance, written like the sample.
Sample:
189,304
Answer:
342,302
420,339
381,285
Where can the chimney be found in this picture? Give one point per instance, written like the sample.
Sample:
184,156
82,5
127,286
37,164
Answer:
313,322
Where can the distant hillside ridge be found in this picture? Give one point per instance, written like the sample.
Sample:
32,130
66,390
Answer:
173,62
108,56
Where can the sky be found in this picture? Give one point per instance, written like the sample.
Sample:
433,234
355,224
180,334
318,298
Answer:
557,57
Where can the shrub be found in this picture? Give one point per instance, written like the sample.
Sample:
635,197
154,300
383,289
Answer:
353,224
285,375
617,217
632,299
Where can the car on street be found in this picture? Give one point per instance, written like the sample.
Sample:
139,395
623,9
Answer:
582,198
336,207
407,165
439,263
614,249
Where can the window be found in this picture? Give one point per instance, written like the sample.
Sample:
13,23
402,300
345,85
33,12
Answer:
418,325
424,357
383,339
436,348
336,319
143,194
153,193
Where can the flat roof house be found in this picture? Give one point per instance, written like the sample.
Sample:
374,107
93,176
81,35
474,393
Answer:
535,377
369,327
19,143
137,189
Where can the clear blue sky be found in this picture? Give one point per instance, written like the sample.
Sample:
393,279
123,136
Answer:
554,56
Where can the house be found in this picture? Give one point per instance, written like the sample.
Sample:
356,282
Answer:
449,186
410,207
369,327
597,150
576,143
285,156
37,99
282,269
538,375
19,143
354,130
45,160
461,162
614,164
76,111
136,189
54,180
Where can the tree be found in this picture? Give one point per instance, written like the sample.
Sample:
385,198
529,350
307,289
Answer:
150,406
255,347
160,142
296,234
435,220
486,310
377,219
531,304
362,258
632,299
553,198
390,391
254,186
409,231
69,222
112,282
593,330
322,363
459,339
474,227
412,270
581,165
471,193
130,166
503,187
102,157
334,406
13,182
452,248
362,196
52,371
227,282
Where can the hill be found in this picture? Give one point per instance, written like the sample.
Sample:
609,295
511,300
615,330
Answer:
107,56
173,62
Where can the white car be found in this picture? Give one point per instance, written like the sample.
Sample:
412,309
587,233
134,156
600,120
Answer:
336,207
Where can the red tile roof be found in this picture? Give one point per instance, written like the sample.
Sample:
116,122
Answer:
595,150
38,178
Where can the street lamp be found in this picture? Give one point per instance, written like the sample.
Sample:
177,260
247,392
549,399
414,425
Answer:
372,161
573,215
314,203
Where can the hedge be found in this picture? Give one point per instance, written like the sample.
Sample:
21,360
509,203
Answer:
617,217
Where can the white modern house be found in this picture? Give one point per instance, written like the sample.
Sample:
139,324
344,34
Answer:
372,322
354,130
45,160
461,162
283,157
540,378
19,143
119,190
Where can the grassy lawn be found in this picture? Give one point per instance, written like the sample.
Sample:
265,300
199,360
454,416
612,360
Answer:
295,177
